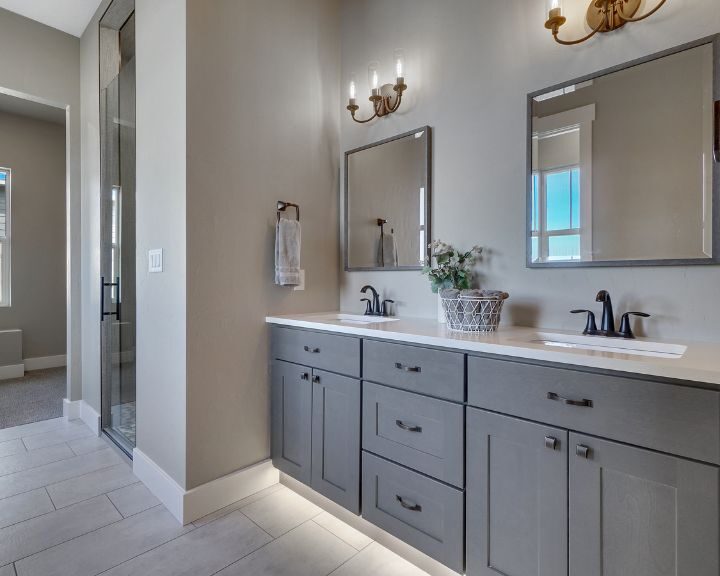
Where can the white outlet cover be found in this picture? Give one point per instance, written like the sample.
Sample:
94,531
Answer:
155,260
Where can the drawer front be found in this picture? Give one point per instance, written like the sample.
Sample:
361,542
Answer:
669,418
331,352
420,511
425,370
419,432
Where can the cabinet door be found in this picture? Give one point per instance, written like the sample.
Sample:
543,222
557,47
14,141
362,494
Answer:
291,419
516,497
336,438
640,513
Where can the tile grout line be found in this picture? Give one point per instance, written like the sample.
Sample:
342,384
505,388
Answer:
239,508
44,464
84,534
59,482
239,511
51,500
355,550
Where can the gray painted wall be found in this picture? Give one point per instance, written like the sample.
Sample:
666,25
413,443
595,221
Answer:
469,71
263,83
45,63
35,152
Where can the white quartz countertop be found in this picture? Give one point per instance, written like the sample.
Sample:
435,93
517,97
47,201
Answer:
699,363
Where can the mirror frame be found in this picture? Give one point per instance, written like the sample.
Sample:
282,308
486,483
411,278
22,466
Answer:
715,258
428,202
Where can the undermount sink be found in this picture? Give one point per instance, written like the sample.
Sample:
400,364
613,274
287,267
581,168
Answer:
359,319
613,345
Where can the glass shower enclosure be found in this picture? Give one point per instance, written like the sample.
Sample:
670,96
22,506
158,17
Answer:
117,223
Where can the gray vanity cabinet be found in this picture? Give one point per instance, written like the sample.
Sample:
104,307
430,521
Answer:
640,513
336,438
292,419
516,498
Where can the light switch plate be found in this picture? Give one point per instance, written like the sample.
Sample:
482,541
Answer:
155,260
301,286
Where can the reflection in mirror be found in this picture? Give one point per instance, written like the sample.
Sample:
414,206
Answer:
622,165
387,203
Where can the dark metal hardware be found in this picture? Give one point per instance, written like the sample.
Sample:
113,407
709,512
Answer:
590,325
608,319
551,442
401,424
104,285
557,398
404,368
375,310
304,376
408,505
716,144
582,451
625,328
282,206
368,306
384,307
311,350
316,379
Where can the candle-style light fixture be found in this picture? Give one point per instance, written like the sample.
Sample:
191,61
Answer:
385,98
602,16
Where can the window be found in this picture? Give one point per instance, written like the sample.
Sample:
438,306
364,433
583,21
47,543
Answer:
4,237
556,225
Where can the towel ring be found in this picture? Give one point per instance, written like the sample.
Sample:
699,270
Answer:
282,206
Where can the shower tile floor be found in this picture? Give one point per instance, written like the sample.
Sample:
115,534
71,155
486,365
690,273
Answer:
70,505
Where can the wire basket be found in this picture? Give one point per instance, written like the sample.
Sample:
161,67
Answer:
472,314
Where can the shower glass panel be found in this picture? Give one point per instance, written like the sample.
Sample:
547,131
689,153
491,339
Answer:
117,227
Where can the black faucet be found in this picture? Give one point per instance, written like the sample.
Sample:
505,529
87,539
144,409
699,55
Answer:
607,325
373,310
608,319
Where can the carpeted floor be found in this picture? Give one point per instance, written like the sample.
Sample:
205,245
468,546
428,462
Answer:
37,396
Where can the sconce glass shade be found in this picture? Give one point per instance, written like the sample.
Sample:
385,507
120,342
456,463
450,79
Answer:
373,76
352,88
399,59
554,8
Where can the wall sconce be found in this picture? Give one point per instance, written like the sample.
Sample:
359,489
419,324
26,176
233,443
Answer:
385,98
602,16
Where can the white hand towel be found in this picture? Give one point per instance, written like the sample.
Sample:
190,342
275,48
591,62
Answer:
287,252
387,253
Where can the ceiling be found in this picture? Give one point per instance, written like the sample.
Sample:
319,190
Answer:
22,107
71,16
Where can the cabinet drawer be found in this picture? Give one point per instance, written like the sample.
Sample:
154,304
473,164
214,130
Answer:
331,352
425,370
423,512
666,417
420,432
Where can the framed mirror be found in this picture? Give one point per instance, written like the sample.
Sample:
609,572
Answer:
388,203
624,165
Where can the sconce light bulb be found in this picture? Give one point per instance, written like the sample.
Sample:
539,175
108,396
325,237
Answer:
554,8
399,57
352,89
373,78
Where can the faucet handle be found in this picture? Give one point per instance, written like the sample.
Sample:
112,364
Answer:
590,325
368,306
384,307
625,328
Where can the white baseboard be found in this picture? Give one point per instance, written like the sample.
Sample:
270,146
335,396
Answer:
44,362
12,371
219,493
165,489
189,505
71,409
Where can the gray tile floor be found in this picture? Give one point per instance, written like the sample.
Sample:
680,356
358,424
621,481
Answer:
70,506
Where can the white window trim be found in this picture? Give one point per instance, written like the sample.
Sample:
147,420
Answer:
582,118
6,242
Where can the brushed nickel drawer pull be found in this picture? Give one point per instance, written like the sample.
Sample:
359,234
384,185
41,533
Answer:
551,442
316,379
401,424
304,376
404,368
584,403
582,451
311,350
408,505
